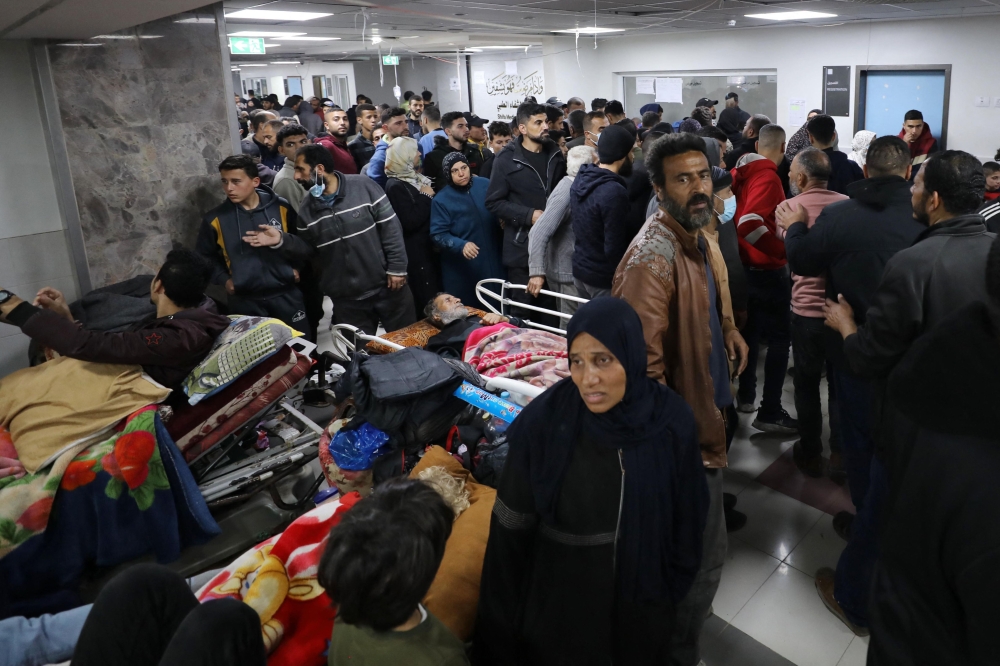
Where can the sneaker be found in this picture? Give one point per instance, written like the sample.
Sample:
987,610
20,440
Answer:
745,406
810,466
782,423
735,520
824,586
842,524
836,470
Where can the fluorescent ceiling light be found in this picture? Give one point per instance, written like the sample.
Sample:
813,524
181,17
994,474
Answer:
790,16
411,37
276,15
286,62
259,33
197,19
126,37
590,31
472,50
78,44
252,64
310,39
270,45
376,39
522,46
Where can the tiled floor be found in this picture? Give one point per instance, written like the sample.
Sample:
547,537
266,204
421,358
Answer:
767,590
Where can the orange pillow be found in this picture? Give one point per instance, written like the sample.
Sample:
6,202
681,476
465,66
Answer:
454,594
414,335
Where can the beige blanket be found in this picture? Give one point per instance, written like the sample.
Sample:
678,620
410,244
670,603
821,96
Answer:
64,403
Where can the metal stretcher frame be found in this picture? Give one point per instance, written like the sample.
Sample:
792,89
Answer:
492,383
482,292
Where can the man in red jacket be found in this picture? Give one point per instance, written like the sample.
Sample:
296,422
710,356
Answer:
917,134
758,192
337,126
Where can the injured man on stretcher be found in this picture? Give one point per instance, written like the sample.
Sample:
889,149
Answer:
163,349
457,322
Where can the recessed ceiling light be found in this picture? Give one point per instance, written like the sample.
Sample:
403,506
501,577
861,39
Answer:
590,31
411,37
252,64
286,62
310,39
78,44
473,50
790,16
197,19
270,45
276,15
376,39
260,33
522,46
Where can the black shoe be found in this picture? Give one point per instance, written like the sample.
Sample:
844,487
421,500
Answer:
810,466
728,501
842,524
745,405
735,520
781,423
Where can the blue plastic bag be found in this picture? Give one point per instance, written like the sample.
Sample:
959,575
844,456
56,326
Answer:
356,450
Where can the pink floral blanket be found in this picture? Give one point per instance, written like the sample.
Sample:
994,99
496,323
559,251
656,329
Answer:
537,357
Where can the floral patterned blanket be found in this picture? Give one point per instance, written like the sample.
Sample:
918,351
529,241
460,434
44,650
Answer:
111,502
537,357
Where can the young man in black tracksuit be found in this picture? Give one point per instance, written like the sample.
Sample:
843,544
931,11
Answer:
523,176
259,281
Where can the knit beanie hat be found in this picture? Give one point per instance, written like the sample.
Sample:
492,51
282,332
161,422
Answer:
615,144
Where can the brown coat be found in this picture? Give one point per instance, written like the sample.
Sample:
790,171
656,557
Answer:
662,276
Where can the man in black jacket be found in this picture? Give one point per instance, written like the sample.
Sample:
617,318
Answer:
259,281
167,347
941,273
850,244
733,119
748,142
456,128
823,135
934,593
523,176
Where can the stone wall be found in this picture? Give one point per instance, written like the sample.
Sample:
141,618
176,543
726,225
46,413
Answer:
146,123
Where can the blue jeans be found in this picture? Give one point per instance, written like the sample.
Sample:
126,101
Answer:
768,311
857,439
853,580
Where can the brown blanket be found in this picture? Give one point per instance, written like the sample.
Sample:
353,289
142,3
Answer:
59,405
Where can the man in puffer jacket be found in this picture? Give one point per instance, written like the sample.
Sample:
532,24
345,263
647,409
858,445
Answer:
599,208
259,281
758,192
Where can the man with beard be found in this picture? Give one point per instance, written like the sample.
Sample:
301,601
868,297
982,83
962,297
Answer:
416,111
691,345
456,129
456,323
347,228
922,285
523,176
265,136
599,208
336,140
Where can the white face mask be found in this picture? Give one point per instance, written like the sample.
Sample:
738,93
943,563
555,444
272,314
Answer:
729,210
320,186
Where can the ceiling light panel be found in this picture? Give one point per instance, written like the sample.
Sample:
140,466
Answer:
261,33
790,16
276,15
310,39
590,31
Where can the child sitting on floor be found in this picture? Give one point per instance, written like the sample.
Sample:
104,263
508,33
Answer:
992,172
378,564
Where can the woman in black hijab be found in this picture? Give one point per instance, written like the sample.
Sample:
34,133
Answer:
597,528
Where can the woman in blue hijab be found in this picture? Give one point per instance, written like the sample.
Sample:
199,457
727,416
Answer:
597,527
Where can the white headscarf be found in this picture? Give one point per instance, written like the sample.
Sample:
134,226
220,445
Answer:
859,146
399,158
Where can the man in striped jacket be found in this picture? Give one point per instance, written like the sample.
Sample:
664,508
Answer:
348,230
758,192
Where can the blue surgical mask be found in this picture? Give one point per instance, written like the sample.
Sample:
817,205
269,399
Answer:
729,211
320,186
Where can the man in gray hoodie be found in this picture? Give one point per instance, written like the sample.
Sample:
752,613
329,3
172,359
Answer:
347,228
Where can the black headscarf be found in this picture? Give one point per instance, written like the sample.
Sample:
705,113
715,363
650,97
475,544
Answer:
652,427
450,160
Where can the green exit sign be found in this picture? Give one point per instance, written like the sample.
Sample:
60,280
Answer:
246,45
390,60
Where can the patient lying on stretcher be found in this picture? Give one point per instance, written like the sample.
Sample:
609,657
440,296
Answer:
58,399
457,323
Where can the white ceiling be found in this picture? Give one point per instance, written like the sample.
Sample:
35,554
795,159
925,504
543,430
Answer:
438,26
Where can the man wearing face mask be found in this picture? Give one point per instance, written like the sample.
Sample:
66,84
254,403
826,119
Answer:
599,208
808,179
724,202
692,345
347,228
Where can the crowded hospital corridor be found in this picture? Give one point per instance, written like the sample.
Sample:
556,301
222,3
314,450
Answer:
500,333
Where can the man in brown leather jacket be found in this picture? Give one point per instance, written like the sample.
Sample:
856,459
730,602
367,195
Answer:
668,277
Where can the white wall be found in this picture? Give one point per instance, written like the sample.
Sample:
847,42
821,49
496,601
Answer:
306,71
33,248
416,74
798,54
499,95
